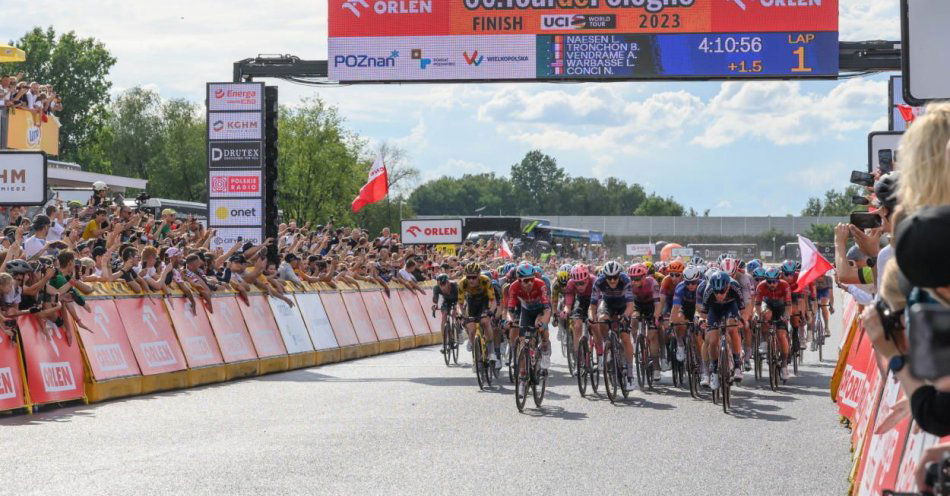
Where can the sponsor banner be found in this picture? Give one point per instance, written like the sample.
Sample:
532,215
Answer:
28,131
368,18
226,237
151,335
379,315
248,212
639,250
430,232
194,333
339,319
398,313
884,449
235,184
235,125
359,317
316,319
432,58
11,376
291,326
108,350
53,362
854,378
235,96
417,316
681,252
435,321
230,330
917,442
262,327
22,178
235,154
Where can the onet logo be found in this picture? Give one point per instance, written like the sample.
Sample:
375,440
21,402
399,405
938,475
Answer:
352,5
414,231
474,59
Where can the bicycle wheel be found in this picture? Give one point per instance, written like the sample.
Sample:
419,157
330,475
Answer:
796,350
571,359
650,363
583,366
539,383
512,363
756,352
593,374
639,364
691,375
725,376
610,368
774,361
457,331
522,376
447,344
488,367
820,337
477,360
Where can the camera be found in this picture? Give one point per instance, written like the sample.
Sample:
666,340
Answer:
929,341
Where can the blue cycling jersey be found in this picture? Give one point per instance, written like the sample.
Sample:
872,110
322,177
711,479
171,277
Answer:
620,295
684,296
733,295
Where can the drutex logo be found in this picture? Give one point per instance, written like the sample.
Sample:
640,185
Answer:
474,59
381,7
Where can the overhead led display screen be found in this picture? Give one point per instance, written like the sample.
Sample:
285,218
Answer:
585,40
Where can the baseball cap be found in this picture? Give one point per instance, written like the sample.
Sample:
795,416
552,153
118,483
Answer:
238,258
173,251
169,211
921,250
855,254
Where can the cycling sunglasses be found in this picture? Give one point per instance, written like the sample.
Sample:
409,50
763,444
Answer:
723,290
676,274
526,280
470,278
613,278
771,282
636,279
692,283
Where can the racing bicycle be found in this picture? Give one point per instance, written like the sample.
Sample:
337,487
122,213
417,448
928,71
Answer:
529,373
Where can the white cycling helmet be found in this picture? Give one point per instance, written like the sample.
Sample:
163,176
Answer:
692,274
612,269
99,186
711,272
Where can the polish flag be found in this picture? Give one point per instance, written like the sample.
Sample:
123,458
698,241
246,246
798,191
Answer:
813,264
908,112
375,189
504,251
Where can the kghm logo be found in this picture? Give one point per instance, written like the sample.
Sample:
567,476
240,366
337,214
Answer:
366,60
390,6
475,59
218,126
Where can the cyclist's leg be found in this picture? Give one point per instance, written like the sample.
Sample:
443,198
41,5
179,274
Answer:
627,339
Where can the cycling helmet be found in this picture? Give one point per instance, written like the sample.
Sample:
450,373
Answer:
759,273
788,267
17,267
649,265
710,272
525,270
697,261
580,273
713,265
741,264
612,269
442,278
565,268
99,186
538,270
721,257
638,270
753,265
719,281
702,268
507,268
772,273
663,268
692,274
730,266
798,265
473,269
562,276
487,273
676,266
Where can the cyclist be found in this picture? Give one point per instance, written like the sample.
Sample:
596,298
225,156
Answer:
736,269
799,299
646,300
449,291
478,294
674,276
683,307
612,297
722,301
777,296
826,299
557,290
529,305
577,295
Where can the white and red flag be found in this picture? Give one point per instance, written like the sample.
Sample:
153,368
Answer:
813,264
375,189
504,251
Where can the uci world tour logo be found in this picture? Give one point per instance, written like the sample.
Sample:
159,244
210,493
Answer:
474,59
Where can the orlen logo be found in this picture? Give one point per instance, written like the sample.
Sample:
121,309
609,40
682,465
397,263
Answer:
432,231
390,6
7,386
473,59
780,3
414,231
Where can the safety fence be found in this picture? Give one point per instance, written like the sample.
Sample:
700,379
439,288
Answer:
887,445
142,344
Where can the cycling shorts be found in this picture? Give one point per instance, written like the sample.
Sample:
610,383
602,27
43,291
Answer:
777,307
581,308
689,311
645,309
605,311
823,293
528,318
796,297
476,307
447,305
717,313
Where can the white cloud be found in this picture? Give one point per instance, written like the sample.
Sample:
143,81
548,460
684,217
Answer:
455,168
415,140
862,20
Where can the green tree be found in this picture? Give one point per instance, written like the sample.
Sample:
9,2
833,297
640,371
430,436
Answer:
179,167
77,68
464,195
537,180
657,205
834,203
821,233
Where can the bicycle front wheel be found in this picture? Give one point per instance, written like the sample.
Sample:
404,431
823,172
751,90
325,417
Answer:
522,377
725,376
539,382
610,368
583,366
479,362
447,344
571,358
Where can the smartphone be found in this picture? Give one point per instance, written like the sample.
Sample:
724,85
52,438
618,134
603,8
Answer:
240,239
860,200
862,178
929,341
865,220
885,160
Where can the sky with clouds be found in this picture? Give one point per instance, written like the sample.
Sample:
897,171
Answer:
759,148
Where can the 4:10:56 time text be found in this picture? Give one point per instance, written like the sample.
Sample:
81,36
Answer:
731,44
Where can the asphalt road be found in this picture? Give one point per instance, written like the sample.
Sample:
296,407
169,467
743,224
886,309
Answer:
404,423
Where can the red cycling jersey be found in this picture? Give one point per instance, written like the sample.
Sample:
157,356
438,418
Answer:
572,290
781,292
667,287
531,296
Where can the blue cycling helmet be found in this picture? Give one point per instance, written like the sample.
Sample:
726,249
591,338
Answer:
507,268
788,267
487,273
759,273
525,270
719,281
772,273
752,265
537,270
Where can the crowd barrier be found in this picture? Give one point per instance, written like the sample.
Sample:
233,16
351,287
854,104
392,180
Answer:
142,344
886,448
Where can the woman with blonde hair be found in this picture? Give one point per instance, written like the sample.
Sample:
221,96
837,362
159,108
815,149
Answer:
924,160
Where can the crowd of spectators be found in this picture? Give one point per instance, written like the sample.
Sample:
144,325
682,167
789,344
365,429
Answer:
899,273
17,93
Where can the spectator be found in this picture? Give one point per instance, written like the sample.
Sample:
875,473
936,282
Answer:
36,244
924,161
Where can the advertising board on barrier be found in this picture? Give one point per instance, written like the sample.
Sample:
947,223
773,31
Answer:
108,350
22,178
230,330
11,377
882,456
262,328
339,319
194,333
53,364
431,231
398,313
151,335
313,316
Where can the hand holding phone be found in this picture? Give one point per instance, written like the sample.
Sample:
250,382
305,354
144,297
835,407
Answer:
865,220
862,179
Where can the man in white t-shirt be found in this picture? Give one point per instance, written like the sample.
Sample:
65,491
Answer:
37,242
